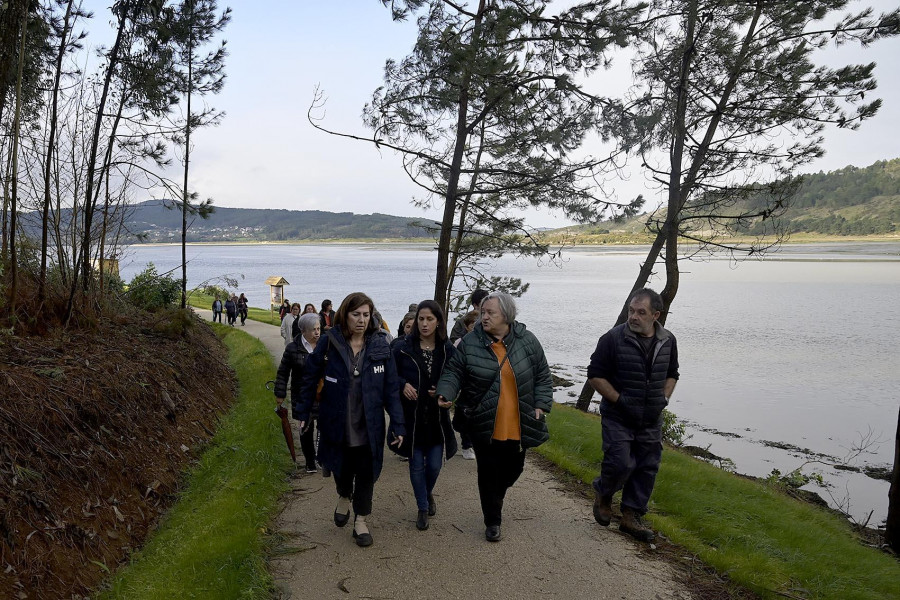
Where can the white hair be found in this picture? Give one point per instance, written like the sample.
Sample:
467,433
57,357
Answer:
506,302
308,322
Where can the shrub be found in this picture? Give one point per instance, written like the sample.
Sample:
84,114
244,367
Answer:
151,291
672,428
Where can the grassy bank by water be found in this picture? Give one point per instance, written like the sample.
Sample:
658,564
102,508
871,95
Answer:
753,533
210,545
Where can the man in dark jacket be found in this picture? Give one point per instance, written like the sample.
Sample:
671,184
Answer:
459,328
634,368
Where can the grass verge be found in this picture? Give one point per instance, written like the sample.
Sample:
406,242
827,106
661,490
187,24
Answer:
211,544
758,536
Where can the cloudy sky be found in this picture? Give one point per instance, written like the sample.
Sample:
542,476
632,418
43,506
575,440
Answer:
266,155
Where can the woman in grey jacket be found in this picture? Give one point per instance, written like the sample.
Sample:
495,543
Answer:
501,381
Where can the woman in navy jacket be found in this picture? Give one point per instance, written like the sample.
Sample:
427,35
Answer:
421,357
360,383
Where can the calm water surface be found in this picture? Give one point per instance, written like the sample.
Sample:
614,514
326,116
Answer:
797,349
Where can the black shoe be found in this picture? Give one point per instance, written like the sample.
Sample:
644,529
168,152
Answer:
492,533
341,519
432,506
362,539
422,520
311,468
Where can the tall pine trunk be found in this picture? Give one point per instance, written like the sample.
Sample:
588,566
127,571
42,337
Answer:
892,528
51,149
442,272
13,252
185,197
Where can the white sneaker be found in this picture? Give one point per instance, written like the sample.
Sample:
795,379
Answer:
468,454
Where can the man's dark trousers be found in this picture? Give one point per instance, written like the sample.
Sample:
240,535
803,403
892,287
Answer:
630,462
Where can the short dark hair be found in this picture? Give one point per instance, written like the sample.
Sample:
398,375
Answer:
441,331
351,303
656,301
477,297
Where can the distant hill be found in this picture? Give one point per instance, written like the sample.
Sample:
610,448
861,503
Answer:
851,201
156,223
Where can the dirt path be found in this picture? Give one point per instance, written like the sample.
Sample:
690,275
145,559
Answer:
551,546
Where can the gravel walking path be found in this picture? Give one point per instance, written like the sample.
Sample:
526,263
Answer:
551,546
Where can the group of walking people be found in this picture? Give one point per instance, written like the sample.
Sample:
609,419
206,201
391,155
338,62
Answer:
345,374
234,307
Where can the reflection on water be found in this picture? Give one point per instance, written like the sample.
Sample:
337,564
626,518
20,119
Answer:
796,348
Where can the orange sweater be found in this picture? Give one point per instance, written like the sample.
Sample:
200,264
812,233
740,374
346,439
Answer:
506,423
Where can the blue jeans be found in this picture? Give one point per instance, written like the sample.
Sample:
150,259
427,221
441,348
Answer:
424,468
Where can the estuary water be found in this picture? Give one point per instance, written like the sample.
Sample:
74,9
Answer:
784,361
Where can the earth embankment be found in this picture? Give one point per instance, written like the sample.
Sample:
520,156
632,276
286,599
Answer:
96,427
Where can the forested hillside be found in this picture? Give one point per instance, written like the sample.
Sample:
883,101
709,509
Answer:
849,201
152,221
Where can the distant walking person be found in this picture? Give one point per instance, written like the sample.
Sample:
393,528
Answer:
326,316
503,381
634,368
292,364
421,357
242,308
231,310
361,383
309,309
290,328
285,309
217,310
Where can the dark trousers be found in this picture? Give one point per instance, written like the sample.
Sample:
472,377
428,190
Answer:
630,463
499,466
217,316
357,479
243,314
466,440
308,442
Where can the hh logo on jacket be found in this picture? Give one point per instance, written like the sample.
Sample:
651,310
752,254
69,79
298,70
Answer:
378,369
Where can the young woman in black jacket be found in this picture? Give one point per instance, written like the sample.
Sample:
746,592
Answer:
421,357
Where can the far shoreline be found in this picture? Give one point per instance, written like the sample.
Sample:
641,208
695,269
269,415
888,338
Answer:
798,241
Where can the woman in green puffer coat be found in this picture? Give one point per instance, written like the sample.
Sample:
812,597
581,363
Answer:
501,381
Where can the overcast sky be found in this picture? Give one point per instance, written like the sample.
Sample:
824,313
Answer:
266,155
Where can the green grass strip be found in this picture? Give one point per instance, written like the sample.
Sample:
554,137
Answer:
211,543
748,530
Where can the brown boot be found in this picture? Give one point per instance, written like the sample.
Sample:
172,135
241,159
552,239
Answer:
633,525
602,509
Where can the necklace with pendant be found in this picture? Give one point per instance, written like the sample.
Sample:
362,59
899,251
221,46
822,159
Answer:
355,362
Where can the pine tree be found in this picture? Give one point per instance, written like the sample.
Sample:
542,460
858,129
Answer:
193,25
